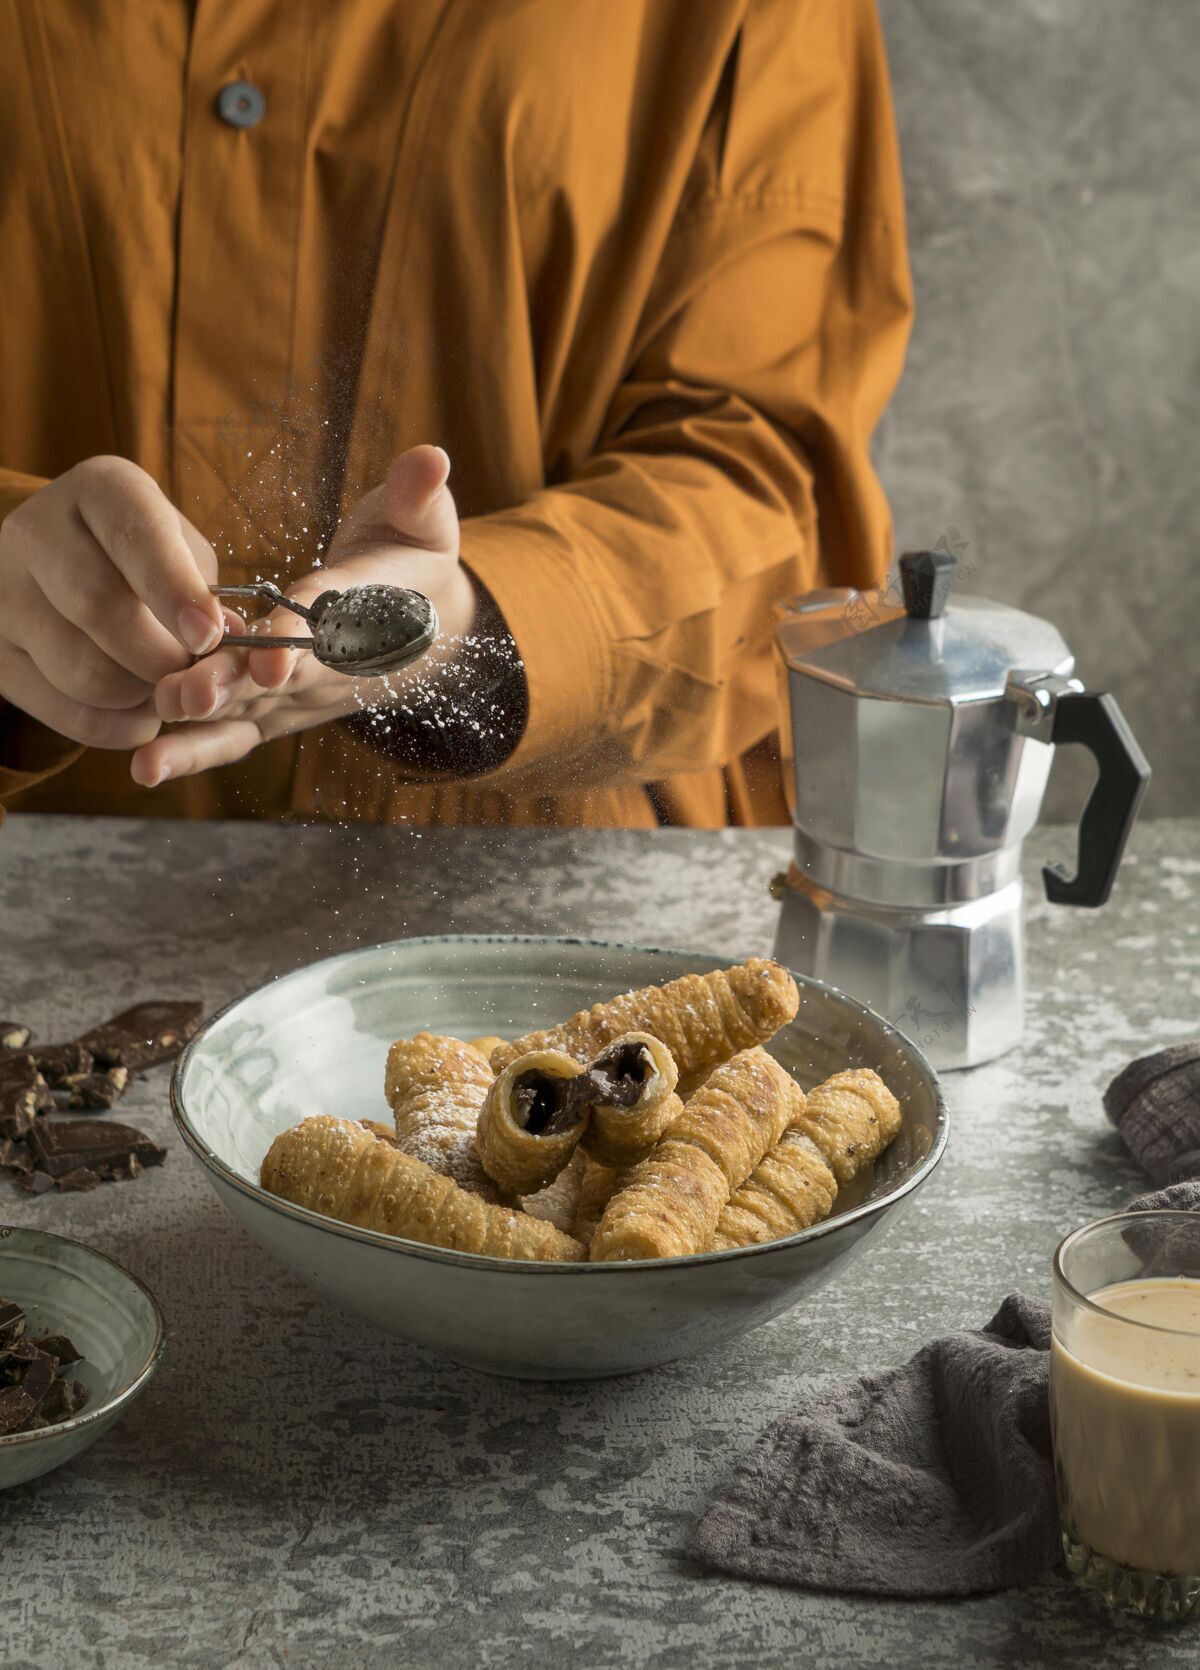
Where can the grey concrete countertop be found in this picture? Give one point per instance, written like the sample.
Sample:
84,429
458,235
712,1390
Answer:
295,1488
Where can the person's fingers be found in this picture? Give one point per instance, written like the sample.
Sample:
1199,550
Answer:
141,532
272,669
414,507
198,691
27,687
69,659
202,551
78,581
195,692
192,749
417,501
231,676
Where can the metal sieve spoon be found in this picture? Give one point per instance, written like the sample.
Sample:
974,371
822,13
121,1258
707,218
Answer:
363,631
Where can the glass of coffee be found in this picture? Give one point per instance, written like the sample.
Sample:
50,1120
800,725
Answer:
1125,1409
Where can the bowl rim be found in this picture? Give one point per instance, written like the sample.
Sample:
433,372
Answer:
116,1401
538,1268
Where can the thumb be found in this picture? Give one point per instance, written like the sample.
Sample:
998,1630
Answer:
417,502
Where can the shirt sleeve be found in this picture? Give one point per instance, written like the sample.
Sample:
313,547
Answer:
733,469
29,751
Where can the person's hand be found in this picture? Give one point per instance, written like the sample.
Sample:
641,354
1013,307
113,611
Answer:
404,533
103,593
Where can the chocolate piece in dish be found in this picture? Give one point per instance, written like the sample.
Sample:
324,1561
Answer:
33,1391
12,1323
145,1035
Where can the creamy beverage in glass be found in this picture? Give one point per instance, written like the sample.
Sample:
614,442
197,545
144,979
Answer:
1125,1406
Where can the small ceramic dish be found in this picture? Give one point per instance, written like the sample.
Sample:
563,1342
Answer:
315,1042
111,1319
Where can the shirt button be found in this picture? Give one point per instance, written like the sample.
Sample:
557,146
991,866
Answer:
241,104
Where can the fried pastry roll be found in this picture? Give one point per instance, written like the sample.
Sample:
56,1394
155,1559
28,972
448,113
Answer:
703,1019
336,1167
558,1202
790,1189
845,1123
531,1121
668,1205
435,1087
851,1118
634,1080
385,1133
485,1045
599,1184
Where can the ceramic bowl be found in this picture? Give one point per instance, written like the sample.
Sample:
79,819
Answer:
315,1042
67,1288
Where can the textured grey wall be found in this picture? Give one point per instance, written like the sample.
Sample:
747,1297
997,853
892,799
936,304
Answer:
1049,417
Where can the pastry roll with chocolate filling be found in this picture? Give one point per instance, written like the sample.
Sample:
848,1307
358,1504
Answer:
703,1019
532,1118
435,1087
668,1205
845,1124
336,1167
633,1080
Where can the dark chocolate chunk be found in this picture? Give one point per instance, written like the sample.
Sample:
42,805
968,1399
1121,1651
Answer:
16,1121
14,1036
23,1094
22,1350
36,1182
57,1346
39,1377
144,1035
33,1392
95,1144
82,1179
16,1410
14,1155
12,1324
59,1063
102,1089
59,1403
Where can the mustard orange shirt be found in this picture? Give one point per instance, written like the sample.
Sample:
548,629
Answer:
638,265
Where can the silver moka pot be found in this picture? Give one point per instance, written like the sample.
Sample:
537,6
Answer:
921,736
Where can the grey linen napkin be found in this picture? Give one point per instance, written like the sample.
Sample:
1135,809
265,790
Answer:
1155,1104
933,1479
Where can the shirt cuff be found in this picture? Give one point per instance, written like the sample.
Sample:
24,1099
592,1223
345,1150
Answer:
533,573
30,751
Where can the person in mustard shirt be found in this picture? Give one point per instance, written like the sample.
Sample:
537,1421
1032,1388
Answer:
576,315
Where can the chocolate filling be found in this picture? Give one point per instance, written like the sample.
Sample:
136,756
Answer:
619,1075
543,1105
546,1106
